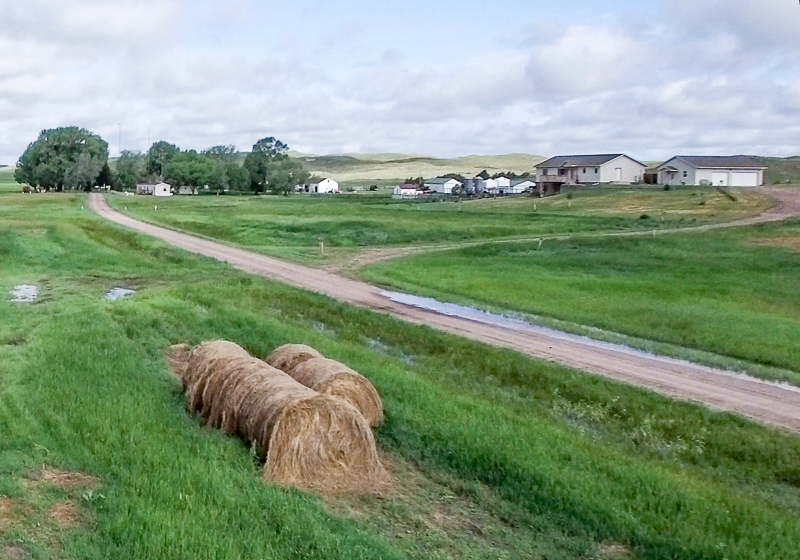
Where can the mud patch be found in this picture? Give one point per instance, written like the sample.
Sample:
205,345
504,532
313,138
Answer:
7,515
65,515
13,553
613,552
62,479
792,243
24,293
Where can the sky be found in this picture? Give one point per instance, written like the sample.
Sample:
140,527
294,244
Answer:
445,78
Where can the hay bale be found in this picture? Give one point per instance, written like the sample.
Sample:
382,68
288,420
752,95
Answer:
308,439
289,356
330,377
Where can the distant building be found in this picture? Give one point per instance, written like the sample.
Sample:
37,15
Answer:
186,189
519,186
443,185
558,171
720,171
159,189
325,186
408,190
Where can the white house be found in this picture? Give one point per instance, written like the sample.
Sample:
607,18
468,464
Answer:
159,189
442,185
589,169
325,186
720,171
187,189
407,190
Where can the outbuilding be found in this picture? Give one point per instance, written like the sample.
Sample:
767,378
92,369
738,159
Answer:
158,189
719,171
325,186
443,185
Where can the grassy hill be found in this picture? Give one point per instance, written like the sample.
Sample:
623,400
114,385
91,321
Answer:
368,167
781,170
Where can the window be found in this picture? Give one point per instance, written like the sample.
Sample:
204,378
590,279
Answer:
597,170
584,170
685,173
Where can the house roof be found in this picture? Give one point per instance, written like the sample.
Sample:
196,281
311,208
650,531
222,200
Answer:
516,182
725,162
581,161
440,181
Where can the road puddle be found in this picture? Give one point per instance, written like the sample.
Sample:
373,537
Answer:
24,294
119,293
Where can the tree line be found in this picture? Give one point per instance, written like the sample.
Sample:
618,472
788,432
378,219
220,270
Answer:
73,158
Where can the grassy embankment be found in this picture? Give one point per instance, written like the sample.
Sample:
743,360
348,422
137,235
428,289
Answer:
495,455
292,227
733,293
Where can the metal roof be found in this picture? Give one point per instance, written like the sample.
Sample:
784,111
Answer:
724,162
581,161
440,181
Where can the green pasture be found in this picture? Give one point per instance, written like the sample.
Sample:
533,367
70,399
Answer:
730,292
293,227
494,455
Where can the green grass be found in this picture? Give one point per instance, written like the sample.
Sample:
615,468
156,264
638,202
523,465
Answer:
7,182
292,227
725,292
495,455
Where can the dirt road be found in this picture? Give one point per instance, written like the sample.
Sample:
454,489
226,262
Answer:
767,402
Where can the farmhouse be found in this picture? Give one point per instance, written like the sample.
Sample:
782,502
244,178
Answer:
720,171
159,189
442,185
589,169
408,190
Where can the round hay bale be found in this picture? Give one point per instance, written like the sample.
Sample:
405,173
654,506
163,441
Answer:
289,356
178,358
330,377
308,439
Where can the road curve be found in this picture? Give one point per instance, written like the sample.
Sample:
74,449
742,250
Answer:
771,403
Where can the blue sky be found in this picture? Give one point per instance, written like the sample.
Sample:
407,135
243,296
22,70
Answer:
444,78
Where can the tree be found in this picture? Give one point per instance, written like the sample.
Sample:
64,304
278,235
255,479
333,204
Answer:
224,153
63,158
238,177
106,177
271,169
129,171
189,169
158,156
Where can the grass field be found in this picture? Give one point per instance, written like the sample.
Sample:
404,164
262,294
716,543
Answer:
733,292
494,454
7,182
292,227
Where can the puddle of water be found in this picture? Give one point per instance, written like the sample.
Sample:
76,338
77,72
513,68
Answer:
518,325
24,294
119,293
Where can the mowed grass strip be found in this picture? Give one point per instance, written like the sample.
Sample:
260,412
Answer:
293,227
733,293
556,464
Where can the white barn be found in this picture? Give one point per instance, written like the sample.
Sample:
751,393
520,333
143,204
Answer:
325,186
442,185
719,171
519,186
159,189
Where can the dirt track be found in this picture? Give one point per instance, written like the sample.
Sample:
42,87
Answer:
767,402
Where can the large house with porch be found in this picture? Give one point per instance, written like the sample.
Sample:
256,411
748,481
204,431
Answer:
559,171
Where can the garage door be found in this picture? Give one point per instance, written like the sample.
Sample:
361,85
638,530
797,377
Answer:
719,179
744,179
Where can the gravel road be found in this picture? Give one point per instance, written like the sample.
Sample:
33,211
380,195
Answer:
771,403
